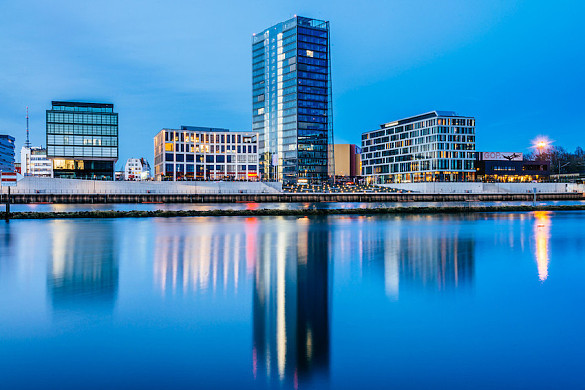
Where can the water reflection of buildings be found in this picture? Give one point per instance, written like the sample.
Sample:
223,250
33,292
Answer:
289,267
291,305
84,266
205,260
6,249
417,255
440,262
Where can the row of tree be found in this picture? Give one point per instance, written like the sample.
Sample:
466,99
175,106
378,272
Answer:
561,160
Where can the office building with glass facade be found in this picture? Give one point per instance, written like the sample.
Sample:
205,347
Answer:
82,140
204,153
6,153
436,146
291,94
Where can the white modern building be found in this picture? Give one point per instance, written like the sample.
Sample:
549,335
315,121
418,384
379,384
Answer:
34,162
203,153
118,175
137,169
435,146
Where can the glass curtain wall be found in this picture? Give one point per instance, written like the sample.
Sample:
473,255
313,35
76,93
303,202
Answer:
291,79
82,140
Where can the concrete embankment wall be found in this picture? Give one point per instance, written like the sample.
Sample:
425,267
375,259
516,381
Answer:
44,190
39,185
488,188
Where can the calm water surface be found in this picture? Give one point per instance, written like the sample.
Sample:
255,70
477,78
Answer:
482,301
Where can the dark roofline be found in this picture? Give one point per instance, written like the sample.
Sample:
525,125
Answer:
426,115
81,104
312,22
315,23
202,128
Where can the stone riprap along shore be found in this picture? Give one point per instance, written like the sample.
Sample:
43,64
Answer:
294,212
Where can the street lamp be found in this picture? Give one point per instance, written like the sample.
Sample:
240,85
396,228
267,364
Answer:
541,144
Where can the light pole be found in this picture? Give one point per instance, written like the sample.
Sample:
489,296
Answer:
541,146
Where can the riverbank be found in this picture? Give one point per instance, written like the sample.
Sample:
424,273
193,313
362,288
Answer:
299,213
285,198
47,190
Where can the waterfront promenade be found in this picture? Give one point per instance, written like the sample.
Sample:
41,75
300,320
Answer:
487,188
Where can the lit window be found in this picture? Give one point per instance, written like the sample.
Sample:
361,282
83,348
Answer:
309,53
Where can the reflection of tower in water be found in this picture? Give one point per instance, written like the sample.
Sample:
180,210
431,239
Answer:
291,305
84,265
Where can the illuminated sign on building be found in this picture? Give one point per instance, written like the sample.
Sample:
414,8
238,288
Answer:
501,156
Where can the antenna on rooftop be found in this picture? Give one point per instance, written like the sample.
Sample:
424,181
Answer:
27,143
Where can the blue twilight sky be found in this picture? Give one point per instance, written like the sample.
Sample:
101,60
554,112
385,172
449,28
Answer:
517,66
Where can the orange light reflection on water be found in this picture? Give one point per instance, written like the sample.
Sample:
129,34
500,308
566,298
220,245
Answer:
542,236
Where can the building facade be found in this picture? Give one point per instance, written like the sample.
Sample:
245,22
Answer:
203,153
6,153
137,169
34,162
291,94
435,146
82,140
348,163
510,168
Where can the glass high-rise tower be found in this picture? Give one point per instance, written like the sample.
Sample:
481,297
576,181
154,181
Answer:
291,92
